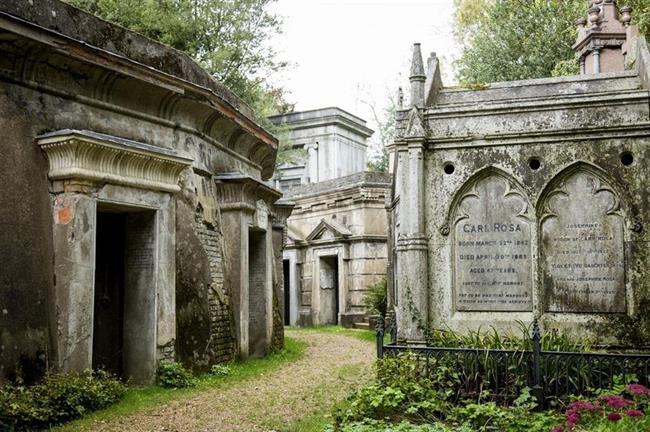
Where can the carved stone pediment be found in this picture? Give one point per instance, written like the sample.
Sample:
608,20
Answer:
95,157
328,229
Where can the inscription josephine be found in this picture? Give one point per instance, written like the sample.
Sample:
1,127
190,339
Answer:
582,247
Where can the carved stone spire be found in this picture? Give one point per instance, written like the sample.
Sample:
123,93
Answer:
605,37
417,77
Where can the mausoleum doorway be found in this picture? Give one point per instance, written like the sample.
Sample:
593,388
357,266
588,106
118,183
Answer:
124,303
329,289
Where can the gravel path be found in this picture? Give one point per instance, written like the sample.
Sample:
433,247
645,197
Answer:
332,365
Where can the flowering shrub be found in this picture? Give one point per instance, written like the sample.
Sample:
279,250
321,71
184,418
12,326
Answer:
609,412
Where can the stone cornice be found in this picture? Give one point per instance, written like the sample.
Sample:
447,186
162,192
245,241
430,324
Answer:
282,209
323,117
535,104
238,191
541,136
90,156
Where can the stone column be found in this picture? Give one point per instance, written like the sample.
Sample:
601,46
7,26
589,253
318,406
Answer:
74,268
412,281
312,164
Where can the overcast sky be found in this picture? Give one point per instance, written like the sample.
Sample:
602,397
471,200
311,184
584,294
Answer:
345,52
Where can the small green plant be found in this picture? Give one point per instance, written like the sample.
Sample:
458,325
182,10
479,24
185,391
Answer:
375,299
58,399
219,370
172,374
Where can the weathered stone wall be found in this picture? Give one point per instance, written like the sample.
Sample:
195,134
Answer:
78,79
26,250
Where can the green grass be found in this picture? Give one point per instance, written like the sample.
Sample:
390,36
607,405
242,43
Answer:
364,335
142,398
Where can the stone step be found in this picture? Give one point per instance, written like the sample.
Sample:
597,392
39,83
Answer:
362,325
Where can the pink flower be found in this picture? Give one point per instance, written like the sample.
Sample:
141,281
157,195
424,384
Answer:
580,405
557,429
616,401
572,417
614,416
633,413
638,389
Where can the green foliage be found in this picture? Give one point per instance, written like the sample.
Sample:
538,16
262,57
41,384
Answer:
59,398
376,298
403,391
552,339
507,40
369,425
220,370
172,374
385,121
565,68
405,395
519,40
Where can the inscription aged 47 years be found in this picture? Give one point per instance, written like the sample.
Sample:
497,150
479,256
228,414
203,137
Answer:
492,249
582,247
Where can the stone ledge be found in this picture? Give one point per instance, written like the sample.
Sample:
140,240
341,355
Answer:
86,155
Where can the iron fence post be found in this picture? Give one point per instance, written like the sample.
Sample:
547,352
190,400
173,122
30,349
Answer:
538,389
379,333
392,329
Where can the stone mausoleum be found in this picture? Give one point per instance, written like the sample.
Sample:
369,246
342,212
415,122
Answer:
337,233
525,199
136,222
334,143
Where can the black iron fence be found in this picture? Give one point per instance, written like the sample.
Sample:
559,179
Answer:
501,375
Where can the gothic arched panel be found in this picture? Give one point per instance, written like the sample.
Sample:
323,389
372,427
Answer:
492,240
582,252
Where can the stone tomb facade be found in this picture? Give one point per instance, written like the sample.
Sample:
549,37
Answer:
336,247
137,225
522,200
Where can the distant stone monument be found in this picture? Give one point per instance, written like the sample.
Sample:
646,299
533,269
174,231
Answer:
526,199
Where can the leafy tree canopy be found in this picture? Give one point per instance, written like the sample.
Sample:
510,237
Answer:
507,40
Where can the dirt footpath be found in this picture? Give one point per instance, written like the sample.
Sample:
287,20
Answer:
332,365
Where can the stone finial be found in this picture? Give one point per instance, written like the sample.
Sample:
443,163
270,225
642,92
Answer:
594,16
626,15
605,38
400,97
417,77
